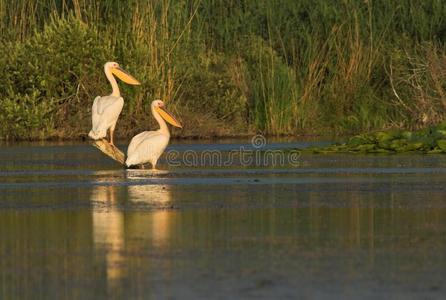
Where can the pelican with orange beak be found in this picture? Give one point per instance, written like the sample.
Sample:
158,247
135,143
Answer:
106,109
148,146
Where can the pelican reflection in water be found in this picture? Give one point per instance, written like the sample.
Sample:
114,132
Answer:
157,224
116,231
108,230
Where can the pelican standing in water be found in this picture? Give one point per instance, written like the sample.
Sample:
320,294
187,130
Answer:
106,109
149,145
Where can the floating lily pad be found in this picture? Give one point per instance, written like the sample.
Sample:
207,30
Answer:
428,140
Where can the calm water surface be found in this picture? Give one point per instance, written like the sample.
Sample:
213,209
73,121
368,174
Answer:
75,225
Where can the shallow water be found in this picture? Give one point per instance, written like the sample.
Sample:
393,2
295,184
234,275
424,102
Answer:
75,225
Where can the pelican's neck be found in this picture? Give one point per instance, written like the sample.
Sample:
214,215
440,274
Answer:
113,82
163,126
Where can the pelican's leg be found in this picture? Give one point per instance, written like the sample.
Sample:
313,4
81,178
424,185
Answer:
154,166
112,130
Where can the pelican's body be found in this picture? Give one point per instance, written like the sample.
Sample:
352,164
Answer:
105,114
147,146
106,109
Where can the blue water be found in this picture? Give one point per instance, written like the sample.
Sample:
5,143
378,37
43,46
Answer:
76,225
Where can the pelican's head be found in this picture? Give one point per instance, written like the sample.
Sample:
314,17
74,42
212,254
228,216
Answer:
115,69
159,107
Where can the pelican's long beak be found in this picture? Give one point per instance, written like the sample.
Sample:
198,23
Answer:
124,76
168,117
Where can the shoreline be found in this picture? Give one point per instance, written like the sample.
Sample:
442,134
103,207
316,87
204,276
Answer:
174,137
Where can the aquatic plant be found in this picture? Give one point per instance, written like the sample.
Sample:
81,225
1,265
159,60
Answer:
428,140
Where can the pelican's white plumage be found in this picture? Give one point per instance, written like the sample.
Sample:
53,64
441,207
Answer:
106,109
147,146
105,114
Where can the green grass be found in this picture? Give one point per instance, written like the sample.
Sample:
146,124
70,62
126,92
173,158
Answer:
225,67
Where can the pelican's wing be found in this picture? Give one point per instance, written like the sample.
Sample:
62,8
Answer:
138,139
105,112
94,112
110,105
146,147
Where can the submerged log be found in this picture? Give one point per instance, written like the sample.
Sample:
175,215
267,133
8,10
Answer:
109,150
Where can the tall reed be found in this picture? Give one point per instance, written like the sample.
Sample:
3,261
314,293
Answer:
280,67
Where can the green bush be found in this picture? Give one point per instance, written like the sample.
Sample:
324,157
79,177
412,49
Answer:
210,86
273,89
26,116
48,78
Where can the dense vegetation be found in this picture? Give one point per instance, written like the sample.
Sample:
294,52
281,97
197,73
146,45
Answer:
225,66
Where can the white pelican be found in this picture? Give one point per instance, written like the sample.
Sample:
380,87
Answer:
106,109
149,145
